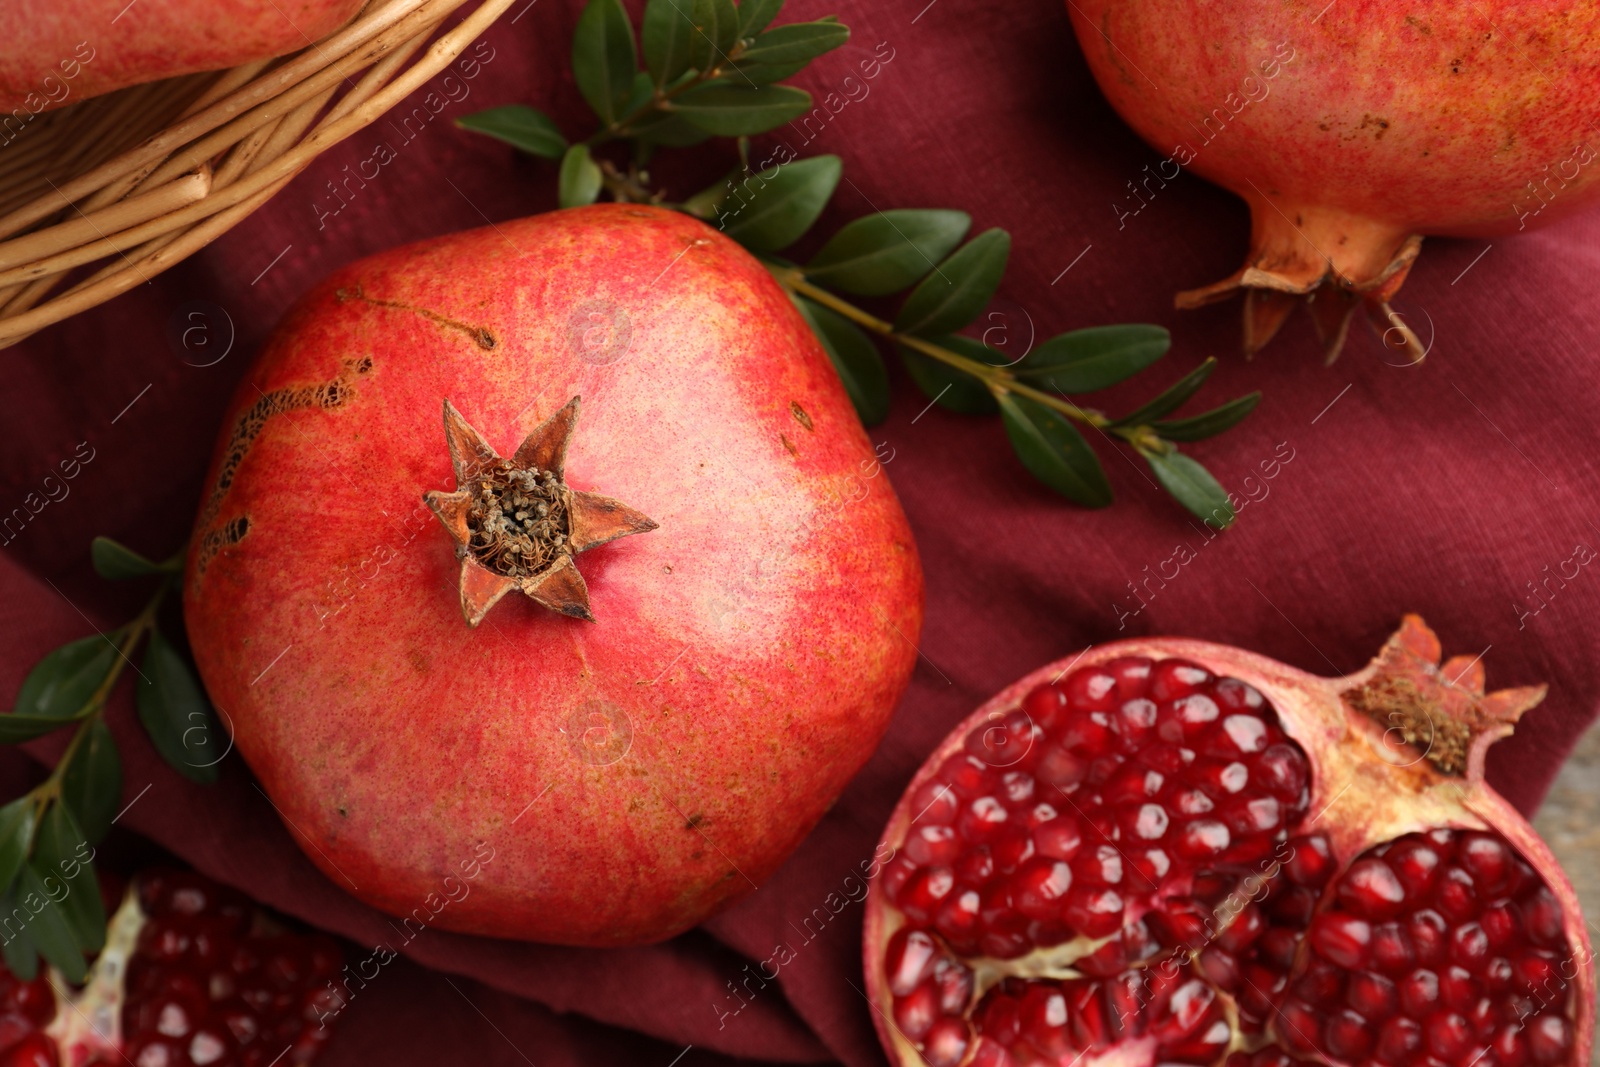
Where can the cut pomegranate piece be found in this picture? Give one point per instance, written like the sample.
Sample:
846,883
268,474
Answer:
162,993
1200,857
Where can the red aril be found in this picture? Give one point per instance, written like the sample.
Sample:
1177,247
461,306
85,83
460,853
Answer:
1351,129
1336,882
193,974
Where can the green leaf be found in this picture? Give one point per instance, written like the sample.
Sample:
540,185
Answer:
1210,423
756,15
888,251
603,57
580,178
945,385
1054,451
742,73
854,356
519,126
1083,361
667,130
1172,398
716,28
959,289
21,954
175,713
15,729
737,110
1192,486
768,213
51,930
62,683
62,852
118,562
92,783
16,838
800,42
665,35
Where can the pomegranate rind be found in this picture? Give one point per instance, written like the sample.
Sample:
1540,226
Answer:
1359,767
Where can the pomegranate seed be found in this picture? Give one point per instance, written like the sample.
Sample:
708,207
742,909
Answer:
1549,1039
1344,939
976,867
1416,863
1152,865
1037,889
983,819
1242,932
1278,945
1320,982
209,1045
1298,1023
1132,674
1347,1036
966,775
1448,1035
935,804
1091,689
1487,859
1100,867
923,893
1510,1046
946,1043
915,1014
1012,849
1060,768
1419,993
1134,722
932,845
1045,705
1469,946
1457,895
908,959
1429,936
1371,889
1310,861
35,1050
1203,839
958,919
1094,912
1172,679
1059,838
1016,789
1293,905
895,876
1541,916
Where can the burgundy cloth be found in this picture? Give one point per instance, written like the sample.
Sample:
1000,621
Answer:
1443,489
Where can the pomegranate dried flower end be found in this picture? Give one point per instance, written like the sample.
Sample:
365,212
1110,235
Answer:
517,525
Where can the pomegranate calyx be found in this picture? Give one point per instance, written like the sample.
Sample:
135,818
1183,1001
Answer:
1440,709
89,1022
516,523
1330,261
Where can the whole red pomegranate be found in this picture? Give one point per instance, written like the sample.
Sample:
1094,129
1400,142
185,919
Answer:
466,711
1165,851
53,54
193,974
1352,128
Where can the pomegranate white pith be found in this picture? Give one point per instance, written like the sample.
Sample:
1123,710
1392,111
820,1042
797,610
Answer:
1168,851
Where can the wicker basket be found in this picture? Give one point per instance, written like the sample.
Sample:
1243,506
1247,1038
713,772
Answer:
100,196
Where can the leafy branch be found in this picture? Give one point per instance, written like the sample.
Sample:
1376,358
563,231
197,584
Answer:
47,835
709,70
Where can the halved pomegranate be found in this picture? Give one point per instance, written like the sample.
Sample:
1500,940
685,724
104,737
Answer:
1165,851
193,974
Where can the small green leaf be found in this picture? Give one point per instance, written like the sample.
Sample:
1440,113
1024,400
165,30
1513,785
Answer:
61,852
736,110
1192,486
1172,398
1054,451
62,683
716,28
1082,361
519,126
175,713
118,562
580,178
16,838
665,35
765,213
741,73
854,356
15,729
800,42
21,954
50,928
1209,423
959,288
603,58
667,130
756,15
92,783
947,386
887,252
